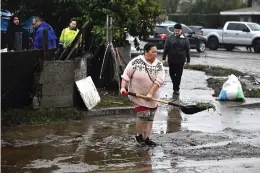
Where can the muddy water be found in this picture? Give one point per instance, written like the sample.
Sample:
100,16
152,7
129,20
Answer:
222,141
92,144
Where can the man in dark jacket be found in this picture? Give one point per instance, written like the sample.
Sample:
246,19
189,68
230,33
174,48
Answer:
38,39
17,37
177,48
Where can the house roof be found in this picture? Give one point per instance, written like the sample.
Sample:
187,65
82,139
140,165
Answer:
243,11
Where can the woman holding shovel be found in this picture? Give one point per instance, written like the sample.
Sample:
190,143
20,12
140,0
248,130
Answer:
145,75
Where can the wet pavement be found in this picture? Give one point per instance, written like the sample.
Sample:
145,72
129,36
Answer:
227,140
240,59
248,62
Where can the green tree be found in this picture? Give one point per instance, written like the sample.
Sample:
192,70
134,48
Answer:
139,16
170,6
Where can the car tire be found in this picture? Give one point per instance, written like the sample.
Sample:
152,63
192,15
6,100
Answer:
257,46
229,47
213,43
201,46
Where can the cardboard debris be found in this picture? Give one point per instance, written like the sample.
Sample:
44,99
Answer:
88,92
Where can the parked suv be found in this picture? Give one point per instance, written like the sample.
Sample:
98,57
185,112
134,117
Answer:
163,30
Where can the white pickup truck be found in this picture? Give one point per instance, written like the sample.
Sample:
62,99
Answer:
233,34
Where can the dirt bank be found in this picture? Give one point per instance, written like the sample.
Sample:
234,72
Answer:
31,116
112,99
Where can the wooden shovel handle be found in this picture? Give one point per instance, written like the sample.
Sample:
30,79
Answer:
144,97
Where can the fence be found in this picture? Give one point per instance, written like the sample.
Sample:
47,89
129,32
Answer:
206,20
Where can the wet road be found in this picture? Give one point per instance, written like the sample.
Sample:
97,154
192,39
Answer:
226,140
240,60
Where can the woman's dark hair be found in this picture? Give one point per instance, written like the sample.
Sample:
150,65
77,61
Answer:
148,46
11,26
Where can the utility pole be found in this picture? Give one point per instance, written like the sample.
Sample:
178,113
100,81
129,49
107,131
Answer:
109,29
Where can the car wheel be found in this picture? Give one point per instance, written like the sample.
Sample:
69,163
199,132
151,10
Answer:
213,43
257,46
229,47
201,46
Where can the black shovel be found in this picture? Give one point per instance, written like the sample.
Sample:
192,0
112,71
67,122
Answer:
189,109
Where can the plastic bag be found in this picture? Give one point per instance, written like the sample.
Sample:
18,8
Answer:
232,90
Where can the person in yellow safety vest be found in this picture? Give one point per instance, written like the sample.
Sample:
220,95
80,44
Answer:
68,34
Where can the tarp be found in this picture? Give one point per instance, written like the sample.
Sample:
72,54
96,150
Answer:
5,16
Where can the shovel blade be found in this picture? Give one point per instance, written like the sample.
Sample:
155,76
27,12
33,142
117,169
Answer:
192,109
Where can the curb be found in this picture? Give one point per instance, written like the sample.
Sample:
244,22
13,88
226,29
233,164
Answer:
248,105
109,111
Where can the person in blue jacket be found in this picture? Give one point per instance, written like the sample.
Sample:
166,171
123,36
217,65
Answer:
38,39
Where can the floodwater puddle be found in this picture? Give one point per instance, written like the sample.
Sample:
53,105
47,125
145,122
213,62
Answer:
106,143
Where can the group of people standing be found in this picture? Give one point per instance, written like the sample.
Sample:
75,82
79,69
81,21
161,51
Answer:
145,75
18,39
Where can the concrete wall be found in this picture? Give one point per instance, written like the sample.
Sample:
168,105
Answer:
80,68
58,82
80,72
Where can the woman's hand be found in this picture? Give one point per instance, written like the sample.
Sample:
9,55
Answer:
122,90
149,96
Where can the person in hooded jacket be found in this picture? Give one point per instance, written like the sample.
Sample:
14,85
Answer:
17,37
38,39
177,48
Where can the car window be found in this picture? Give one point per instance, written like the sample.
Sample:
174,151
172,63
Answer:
194,29
241,27
186,30
254,27
171,29
160,29
232,26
